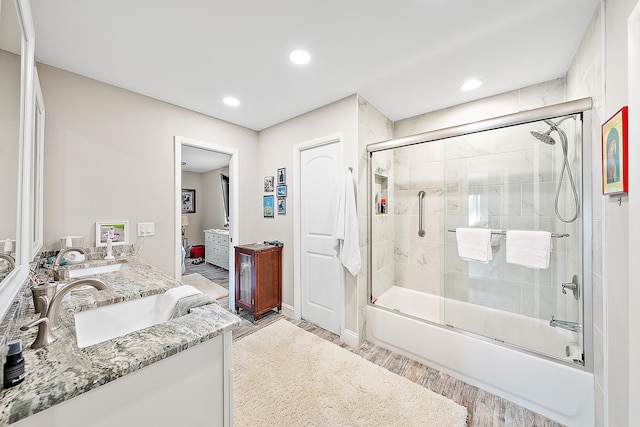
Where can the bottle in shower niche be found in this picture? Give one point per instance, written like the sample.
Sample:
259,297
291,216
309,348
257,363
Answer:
13,372
381,189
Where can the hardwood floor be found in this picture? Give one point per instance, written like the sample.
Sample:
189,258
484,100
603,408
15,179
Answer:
484,409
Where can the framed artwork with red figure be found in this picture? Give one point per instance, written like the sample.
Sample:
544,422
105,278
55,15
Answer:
615,163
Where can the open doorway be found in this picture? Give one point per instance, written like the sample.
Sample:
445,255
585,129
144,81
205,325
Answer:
206,187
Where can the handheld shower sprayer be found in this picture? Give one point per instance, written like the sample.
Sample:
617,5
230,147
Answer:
547,139
546,136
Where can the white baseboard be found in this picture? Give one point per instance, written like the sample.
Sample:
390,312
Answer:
350,338
287,310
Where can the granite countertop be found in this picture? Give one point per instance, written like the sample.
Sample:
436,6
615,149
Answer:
62,370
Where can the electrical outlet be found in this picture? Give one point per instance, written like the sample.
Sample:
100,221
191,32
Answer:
146,229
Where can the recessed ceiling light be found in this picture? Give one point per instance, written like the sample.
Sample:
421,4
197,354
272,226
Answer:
231,101
471,85
300,57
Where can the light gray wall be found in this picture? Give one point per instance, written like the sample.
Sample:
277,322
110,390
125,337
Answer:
276,150
109,155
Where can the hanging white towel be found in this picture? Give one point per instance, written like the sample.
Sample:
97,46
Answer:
529,248
474,244
346,229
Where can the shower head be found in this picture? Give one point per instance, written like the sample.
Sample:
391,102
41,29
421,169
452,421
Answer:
544,137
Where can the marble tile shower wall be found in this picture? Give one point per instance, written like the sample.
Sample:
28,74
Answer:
503,179
384,234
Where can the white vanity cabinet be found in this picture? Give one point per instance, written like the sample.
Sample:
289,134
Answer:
191,388
216,248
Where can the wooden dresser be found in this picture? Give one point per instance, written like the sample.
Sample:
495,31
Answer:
258,278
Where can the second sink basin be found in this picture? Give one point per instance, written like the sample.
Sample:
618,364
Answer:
104,323
88,271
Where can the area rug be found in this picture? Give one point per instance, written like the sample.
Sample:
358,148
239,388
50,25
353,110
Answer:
205,285
286,376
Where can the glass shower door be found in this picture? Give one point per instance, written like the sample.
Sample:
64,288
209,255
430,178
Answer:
520,178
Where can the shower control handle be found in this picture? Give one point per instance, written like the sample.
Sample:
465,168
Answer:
572,286
421,195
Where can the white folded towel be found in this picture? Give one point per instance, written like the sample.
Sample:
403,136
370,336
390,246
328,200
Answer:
167,301
529,248
474,244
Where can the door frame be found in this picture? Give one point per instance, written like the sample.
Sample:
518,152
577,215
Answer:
297,238
234,203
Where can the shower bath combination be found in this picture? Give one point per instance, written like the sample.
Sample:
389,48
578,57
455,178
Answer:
489,321
547,139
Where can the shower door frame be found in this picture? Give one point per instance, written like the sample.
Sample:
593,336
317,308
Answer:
580,106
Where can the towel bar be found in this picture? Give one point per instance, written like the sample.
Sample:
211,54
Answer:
504,232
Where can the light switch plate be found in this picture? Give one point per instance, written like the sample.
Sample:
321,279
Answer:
146,229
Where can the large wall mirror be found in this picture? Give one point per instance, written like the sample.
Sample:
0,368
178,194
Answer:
17,119
10,107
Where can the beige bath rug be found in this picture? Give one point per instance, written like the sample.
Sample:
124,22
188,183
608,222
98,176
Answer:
286,376
205,285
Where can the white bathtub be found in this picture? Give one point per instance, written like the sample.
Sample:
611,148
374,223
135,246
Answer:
485,321
563,393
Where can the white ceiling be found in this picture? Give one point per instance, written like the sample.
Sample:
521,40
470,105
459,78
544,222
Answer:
199,160
406,57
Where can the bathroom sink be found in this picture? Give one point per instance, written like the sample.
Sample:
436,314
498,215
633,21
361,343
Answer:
88,271
115,320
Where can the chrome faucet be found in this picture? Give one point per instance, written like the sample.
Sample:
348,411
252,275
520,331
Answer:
48,320
571,326
55,267
10,260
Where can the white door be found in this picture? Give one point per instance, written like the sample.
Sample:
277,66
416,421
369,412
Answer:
322,273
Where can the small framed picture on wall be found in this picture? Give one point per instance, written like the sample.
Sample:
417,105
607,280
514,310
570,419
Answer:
282,205
614,153
188,201
281,191
282,176
268,184
267,206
